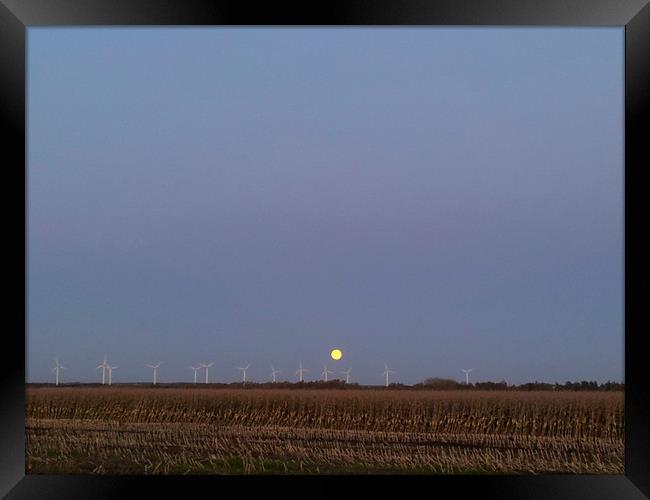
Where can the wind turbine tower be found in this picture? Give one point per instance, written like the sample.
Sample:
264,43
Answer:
56,370
202,365
243,372
104,366
347,375
196,369
155,369
325,372
466,372
386,372
300,371
110,373
274,372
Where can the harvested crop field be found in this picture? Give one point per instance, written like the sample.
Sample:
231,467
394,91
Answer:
134,430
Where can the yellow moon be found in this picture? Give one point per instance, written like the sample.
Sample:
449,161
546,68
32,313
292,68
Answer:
336,354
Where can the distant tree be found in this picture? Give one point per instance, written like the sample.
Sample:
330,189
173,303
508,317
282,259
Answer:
535,386
612,386
440,384
492,386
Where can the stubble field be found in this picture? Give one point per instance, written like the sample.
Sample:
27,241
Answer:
130,430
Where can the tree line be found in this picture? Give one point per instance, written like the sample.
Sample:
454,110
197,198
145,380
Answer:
437,384
584,385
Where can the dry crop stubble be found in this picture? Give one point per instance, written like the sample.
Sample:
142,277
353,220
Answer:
186,430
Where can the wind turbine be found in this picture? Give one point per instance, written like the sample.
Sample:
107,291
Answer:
196,369
273,373
243,372
300,372
110,372
103,366
206,369
325,372
466,372
347,375
155,368
56,370
386,372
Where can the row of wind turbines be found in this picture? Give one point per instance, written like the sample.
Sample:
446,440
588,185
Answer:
300,372
106,367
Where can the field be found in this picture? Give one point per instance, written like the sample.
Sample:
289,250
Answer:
130,430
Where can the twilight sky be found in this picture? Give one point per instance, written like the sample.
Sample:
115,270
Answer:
434,198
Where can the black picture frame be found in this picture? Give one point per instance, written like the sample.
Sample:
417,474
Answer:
634,15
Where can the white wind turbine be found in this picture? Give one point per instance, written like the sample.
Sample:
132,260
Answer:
155,369
325,372
274,372
243,372
466,372
110,373
56,369
300,371
347,375
386,372
103,366
202,365
196,369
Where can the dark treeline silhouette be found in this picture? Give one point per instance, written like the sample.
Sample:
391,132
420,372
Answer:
435,383
442,384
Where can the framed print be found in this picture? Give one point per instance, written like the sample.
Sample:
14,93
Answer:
372,244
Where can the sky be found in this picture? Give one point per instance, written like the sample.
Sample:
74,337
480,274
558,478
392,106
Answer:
430,198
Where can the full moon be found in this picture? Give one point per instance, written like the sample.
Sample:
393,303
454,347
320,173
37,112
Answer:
336,354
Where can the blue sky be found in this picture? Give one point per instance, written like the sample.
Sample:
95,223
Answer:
434,198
